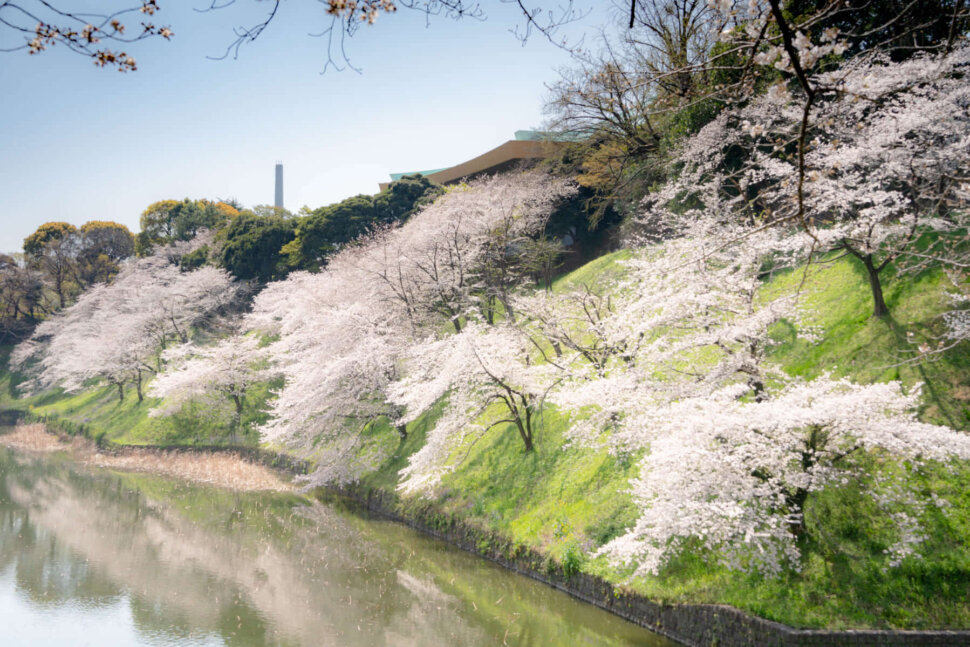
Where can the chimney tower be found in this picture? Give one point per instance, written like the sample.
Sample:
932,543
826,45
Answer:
278,202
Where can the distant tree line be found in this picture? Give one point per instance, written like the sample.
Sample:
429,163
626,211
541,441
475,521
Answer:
268,247
60,260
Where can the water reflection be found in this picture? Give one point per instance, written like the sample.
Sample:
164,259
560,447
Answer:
141,560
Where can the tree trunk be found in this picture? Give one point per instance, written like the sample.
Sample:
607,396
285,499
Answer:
796,501
141,396
524,434
556,346
509,312
121,392
236,426
524,422
880,309
879,303
402,431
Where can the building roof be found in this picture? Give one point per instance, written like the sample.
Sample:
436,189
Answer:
397,176
528,144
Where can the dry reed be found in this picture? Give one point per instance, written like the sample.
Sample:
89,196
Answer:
226,470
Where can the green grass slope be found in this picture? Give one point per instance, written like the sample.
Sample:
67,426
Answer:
99,412
570,501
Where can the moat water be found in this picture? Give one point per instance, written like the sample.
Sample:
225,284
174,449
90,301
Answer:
90,557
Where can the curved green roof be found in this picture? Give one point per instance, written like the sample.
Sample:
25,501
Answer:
398,176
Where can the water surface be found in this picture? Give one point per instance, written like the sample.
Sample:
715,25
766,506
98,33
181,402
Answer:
89,557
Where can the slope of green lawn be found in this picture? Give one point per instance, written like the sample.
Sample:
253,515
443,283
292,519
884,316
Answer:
570,501
103,415
855,345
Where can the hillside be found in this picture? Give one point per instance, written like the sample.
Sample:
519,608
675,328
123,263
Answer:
568,501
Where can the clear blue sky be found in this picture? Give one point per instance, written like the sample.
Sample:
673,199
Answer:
80,143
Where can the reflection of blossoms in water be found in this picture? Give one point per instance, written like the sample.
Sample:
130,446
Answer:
193,564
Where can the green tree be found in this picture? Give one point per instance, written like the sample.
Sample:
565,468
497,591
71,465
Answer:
404,196
53,250
195,259
267,210
253,245
166,221
329,228
103,245
157,226
49,231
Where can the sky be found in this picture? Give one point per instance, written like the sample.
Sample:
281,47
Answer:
80,143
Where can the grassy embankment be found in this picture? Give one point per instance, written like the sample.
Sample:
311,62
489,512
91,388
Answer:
104,416
569,501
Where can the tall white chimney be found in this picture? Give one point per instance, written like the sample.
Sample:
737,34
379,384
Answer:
278,203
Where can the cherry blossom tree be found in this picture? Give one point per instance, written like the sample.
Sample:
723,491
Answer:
42,24
79,344
115,330
732,448
465,251
885,169
341,335
881,168
734,476
212,374
958,321
576,321
337,344
472,371
687,318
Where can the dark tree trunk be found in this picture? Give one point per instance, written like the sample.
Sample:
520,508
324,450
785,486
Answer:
523,421
121,392
796,501
879,302
141,396
525,434
879,309
402,431
490,310
509,312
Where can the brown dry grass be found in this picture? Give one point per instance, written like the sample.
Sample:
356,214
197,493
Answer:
34,438
222,470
